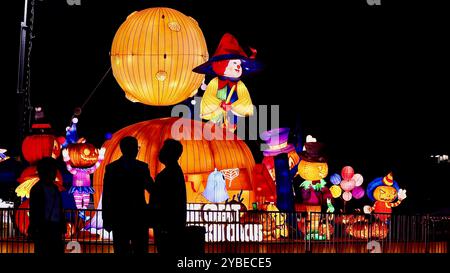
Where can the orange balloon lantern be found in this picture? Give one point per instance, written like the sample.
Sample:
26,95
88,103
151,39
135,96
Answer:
36,147
201,155
153,54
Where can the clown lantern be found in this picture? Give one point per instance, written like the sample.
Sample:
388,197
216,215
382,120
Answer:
82,159
226,93
202,154
36,147
387,195
153,54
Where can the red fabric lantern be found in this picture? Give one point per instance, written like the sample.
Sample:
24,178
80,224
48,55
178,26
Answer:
347,173
36,147
22,218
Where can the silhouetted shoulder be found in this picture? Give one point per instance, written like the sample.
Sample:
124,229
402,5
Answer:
141,164
113,165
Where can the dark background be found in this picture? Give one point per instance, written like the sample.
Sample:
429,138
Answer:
368,81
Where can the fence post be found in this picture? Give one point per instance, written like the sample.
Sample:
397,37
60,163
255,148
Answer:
427,233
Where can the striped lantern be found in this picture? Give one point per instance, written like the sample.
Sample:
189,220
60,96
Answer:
201,155
36,147
347,173
153,54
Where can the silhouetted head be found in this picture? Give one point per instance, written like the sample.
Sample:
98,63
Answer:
170,152
47,168
129,147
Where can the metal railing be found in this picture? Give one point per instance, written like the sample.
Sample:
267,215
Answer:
258,232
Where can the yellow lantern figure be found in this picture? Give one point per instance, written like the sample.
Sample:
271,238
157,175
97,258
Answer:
312,170
153,54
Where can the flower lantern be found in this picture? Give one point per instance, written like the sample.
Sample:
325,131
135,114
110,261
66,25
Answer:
153,54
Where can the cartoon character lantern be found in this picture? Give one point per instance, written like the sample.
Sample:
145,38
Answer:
227,93
82,159
387,194
313,168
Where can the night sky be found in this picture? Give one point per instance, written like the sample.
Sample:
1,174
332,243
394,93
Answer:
367,81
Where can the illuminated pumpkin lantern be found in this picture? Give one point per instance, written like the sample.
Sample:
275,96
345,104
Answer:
36,147
313,168
202,153
82,155
22,217
153,54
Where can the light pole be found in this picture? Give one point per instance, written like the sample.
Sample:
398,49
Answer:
23,74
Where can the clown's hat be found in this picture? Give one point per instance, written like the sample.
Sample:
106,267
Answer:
388,179
229,49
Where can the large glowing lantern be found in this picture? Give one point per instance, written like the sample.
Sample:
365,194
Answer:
201,155
153,54
36,147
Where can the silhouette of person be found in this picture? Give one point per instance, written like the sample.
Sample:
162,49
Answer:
169,200
47,221
123,201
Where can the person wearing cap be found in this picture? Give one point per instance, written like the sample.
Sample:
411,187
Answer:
226,92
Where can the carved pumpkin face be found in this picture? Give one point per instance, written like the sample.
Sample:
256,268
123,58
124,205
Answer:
312,171
385,193
83,155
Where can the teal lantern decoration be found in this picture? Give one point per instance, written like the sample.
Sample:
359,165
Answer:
216,191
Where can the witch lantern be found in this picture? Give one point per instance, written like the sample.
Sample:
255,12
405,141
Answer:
226,92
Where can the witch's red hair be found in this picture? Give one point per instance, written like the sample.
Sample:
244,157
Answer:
220,66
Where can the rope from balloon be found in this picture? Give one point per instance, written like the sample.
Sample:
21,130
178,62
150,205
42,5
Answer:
79,110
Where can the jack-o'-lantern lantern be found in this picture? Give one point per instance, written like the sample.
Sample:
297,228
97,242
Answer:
203,151
83,155
22,217
387,194
36,147
312,170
